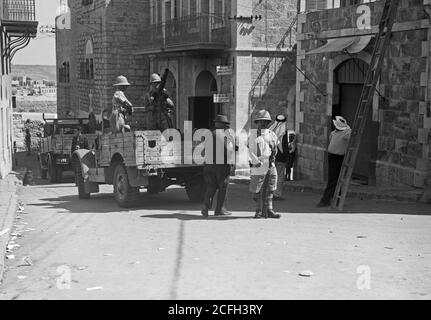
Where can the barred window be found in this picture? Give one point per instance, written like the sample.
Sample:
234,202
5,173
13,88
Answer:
87,66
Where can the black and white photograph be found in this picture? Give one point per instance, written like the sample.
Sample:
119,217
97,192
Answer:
215,155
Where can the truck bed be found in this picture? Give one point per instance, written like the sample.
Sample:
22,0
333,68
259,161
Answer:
143,149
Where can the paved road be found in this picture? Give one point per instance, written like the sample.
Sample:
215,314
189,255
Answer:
164,249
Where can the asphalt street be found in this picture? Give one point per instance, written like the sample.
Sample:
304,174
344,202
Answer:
164,249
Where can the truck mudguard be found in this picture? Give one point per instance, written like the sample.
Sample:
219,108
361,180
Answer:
86,160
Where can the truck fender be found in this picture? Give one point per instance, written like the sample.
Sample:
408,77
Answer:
87,160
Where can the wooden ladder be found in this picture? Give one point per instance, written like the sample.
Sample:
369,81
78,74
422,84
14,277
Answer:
365,102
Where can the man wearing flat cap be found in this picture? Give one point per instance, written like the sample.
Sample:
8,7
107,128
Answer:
216,174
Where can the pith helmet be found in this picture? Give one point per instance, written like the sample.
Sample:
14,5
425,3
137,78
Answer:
262,115
155,78
121,81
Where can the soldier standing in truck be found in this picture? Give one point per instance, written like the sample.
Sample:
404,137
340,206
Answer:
120,106
159,106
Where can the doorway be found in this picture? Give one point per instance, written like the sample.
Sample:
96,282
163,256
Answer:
202,109
350,78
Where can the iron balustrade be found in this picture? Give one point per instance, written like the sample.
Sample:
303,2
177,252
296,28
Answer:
186,31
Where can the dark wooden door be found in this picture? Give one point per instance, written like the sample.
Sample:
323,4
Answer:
201,112
349,99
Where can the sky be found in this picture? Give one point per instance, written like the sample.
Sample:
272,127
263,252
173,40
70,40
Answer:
41,50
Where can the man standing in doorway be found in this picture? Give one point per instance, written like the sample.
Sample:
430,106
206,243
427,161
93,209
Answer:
338,143
216,175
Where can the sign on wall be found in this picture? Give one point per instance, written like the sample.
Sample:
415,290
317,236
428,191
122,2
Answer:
224,70
221,98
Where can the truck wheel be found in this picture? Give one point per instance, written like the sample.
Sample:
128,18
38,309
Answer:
52,172
43,172
125,195
59,175
79,180
195,189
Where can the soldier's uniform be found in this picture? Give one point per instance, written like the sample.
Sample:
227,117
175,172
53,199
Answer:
119,100
263,180
160,115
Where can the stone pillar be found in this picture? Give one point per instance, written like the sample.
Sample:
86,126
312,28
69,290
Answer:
425,110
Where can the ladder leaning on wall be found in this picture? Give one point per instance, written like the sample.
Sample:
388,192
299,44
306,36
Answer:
365,101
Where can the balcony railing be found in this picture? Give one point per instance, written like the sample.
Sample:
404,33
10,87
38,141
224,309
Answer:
316,5
186,33
19,10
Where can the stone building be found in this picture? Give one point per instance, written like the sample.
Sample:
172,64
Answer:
18,26
334,46
98,40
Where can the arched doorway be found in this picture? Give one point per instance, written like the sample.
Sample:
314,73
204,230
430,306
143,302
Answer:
349,81
201,107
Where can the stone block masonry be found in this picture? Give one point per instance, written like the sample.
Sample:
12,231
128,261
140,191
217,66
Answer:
403,137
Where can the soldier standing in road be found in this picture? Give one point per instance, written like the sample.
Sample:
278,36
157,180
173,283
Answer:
217,175
263,180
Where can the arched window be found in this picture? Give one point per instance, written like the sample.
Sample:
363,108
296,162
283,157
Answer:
87,67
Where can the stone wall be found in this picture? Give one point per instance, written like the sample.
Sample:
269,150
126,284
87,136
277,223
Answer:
111,28
276,89
277,16
403,117
20,125
5,126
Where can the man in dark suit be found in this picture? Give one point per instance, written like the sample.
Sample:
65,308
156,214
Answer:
217,175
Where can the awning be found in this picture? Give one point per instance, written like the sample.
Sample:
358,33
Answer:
351,44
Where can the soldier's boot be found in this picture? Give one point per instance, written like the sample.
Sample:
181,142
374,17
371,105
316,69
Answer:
269,211
258,200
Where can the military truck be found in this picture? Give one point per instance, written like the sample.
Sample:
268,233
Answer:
55,148
135,160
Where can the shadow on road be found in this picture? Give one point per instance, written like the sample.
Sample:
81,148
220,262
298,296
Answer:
171,204
188,217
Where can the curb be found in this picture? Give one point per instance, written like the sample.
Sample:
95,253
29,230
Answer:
292,187
9,220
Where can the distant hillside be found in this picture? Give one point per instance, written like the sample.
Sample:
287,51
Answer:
35,72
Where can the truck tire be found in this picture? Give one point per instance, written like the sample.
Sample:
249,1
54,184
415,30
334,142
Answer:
125,195
52,172
79,180
195,189
43,173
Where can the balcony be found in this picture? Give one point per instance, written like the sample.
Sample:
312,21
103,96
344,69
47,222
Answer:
189,33
19,18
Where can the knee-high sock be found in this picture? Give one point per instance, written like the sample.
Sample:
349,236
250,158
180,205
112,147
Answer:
258,200
268,200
